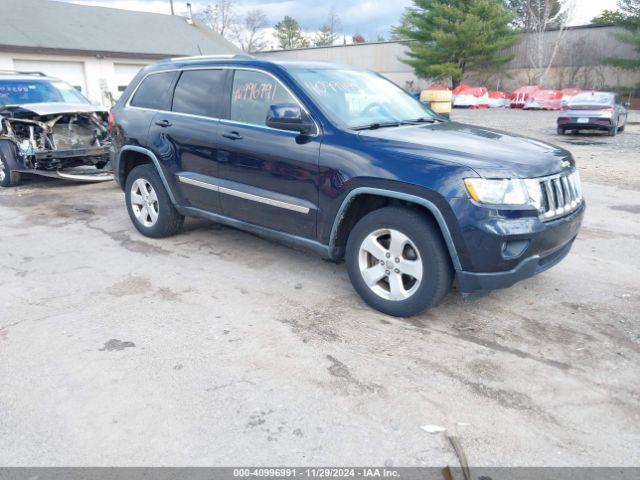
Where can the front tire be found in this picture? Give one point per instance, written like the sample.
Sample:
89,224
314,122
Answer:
149,205
8,177
398,262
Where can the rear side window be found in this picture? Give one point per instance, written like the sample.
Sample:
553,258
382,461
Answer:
154,91
200,92
253,93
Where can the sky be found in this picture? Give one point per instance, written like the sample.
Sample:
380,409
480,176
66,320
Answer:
367,17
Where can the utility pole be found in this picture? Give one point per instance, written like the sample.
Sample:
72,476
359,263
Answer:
171,2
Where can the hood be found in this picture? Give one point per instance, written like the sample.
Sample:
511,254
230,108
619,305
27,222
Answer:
53,108
491,153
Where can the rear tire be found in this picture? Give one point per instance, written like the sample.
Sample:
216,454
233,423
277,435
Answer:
149,205
8,176
560,131
398,262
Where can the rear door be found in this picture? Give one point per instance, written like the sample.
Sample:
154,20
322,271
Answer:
186,136
268,177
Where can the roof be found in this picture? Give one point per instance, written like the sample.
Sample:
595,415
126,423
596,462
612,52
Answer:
243,60
58,27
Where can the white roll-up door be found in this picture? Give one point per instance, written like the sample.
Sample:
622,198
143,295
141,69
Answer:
125,73
70,72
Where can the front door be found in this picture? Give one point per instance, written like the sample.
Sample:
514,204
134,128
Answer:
268,177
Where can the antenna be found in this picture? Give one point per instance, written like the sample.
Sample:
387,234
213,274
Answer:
189,15
171,3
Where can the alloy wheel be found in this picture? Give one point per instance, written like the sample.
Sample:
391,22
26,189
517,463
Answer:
3,172
144,202
390,264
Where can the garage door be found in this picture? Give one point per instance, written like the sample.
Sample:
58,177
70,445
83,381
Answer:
125,73
70,72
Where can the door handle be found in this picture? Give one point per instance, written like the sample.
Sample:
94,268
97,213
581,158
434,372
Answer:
232,135
163,123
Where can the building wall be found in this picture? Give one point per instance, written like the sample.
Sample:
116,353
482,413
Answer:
382,57
104,78
578,60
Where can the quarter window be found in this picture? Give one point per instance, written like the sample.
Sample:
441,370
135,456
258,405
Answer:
200,92
252,95
154,92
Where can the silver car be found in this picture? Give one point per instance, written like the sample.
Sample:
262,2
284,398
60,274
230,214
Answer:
594,111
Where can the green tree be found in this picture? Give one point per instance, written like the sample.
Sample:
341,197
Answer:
451,37
327,35
629,18
608,17
289,34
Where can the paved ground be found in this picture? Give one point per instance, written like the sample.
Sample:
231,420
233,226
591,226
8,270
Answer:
218,348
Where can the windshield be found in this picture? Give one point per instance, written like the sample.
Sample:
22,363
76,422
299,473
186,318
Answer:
591,99
15,92
359,98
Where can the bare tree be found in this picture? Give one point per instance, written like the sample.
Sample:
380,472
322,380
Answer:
250,34
220,17
541,17
327,35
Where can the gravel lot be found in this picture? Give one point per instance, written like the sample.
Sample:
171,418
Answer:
215,347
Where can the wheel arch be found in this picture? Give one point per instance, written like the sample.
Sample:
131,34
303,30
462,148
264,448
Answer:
351,210
130,156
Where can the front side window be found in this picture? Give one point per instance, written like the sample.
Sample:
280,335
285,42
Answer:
357,98
252,95
200,92
14,92
154,92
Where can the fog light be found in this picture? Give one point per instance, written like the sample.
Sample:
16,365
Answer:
514,249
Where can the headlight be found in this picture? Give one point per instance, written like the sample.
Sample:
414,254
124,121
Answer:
505,191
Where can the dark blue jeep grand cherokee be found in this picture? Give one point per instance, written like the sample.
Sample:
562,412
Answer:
344,162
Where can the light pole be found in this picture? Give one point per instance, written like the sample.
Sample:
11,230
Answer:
171,2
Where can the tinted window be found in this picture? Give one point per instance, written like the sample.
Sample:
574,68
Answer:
153,92
200,92
253,93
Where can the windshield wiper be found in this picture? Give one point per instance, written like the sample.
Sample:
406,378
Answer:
419,120
376,125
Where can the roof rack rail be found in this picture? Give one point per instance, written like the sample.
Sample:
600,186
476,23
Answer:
16,72
204,57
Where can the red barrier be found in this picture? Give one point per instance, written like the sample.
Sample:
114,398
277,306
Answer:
521,95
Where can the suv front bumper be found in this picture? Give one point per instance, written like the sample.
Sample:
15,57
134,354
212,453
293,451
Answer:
545,248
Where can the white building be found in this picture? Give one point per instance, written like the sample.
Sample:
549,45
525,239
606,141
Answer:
96,49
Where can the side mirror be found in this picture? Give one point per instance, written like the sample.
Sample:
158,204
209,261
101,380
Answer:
627,104
288,116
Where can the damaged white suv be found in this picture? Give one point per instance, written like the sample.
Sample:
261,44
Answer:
49,128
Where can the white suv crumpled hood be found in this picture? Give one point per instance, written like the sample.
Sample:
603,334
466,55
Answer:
52,108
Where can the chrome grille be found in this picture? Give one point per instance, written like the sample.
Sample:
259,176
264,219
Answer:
561,194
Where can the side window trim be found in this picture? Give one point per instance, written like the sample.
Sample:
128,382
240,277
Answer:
229,87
